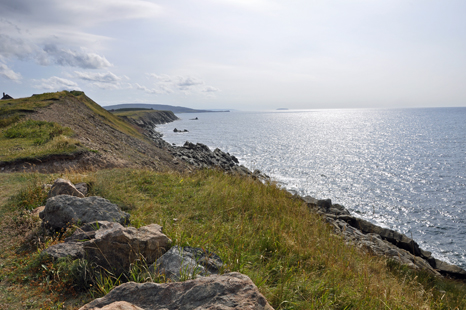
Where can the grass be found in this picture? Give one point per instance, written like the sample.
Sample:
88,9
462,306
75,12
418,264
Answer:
13,110
291,254
134,113
107,117
34,139
22,139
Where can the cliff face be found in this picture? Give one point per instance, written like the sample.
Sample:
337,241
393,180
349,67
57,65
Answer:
148,119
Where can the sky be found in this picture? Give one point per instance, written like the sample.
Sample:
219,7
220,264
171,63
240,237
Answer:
238,54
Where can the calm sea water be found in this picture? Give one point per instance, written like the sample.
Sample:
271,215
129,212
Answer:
404,169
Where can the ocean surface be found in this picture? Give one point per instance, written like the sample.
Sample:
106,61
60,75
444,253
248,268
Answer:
403,169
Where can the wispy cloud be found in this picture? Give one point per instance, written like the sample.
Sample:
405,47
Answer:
105,77
81,59
9,74
165,84
56,83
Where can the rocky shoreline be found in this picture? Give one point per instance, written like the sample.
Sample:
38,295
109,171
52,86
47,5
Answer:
354,230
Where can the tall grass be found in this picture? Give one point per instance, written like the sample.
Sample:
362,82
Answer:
291,254
263,231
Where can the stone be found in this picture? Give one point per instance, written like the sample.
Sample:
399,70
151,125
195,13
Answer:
221,292
64,187
396,238
325,206
187,263
67,249
450,270
116,247
82,187
119,305
63,210
112,246
36,211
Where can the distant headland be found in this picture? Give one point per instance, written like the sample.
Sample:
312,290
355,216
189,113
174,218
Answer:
160,107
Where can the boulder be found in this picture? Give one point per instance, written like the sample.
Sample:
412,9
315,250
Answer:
450,270
116,247
112,246
187,263
222,292
394,237
67,249
325,206
62,210
64,187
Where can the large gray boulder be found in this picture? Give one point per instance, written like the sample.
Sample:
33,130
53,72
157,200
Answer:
112,246
187,263
450,270
65,187
62,210
118,247
394,237
220,292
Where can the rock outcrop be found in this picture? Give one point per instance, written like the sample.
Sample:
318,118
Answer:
112,246
187,263
65,187
222,292
381,241
62,210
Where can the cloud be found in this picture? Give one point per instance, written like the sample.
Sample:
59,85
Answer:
56,83
9,74
165,84
15,47
104,80
81,59
107,77
83,12
23,49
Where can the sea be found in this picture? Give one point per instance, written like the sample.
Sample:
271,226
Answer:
403,169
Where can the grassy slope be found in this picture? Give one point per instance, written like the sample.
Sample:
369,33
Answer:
109,118
22,140
290,253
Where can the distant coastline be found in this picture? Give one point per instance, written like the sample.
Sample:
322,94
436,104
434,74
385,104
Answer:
159,107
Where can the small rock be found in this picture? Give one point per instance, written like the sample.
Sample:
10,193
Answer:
188,263
64,187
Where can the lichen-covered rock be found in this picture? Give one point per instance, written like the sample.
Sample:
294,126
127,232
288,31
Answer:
220,292
65,209
187,263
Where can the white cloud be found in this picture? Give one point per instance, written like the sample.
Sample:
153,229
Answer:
81,59
56,83
165,84
9,74
107,77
